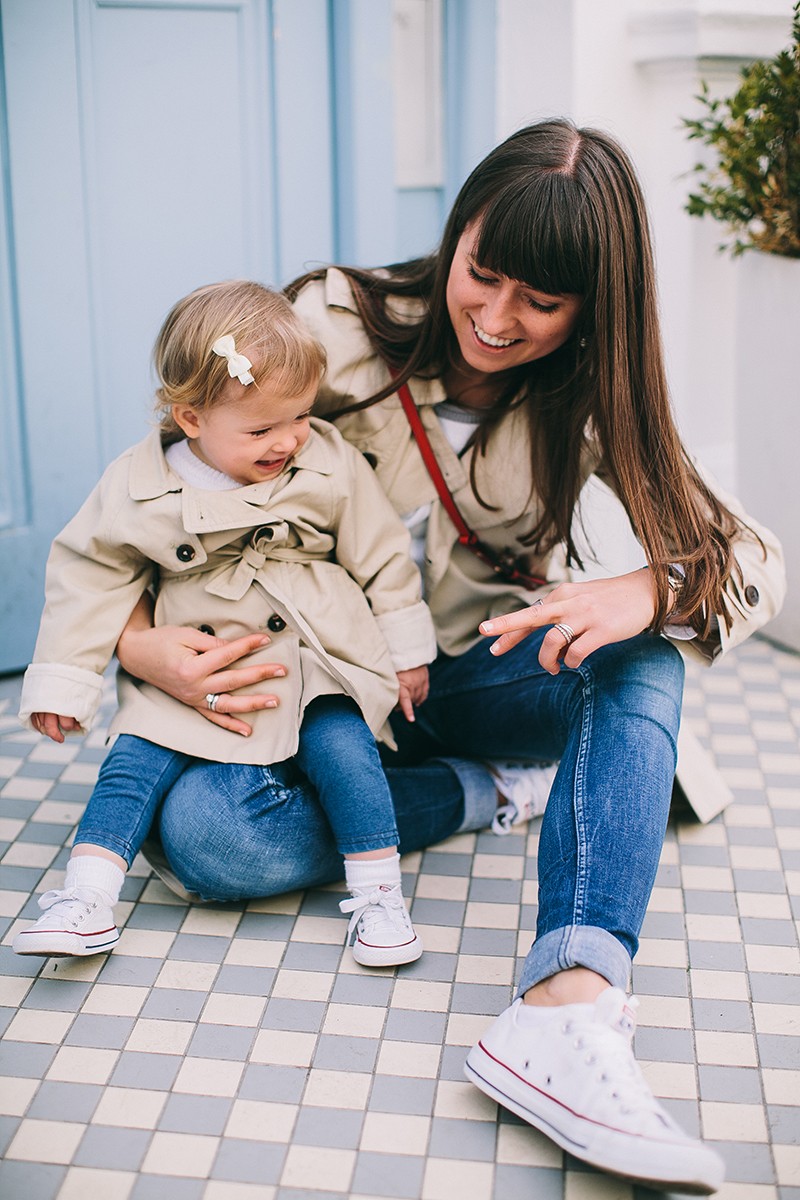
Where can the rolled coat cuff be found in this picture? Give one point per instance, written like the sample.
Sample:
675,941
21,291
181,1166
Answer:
410,635
56,688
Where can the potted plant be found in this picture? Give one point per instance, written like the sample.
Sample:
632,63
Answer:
753,188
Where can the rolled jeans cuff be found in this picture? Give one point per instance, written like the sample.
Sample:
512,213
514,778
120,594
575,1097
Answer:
576,946
480,793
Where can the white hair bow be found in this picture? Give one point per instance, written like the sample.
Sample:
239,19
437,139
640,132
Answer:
238,365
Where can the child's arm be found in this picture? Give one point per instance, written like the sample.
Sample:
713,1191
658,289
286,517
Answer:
413,690
53,725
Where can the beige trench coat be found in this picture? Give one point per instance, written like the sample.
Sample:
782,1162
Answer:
460,589
317,558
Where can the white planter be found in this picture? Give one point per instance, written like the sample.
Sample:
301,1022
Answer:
768,412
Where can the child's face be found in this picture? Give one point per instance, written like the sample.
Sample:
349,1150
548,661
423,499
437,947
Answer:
251,434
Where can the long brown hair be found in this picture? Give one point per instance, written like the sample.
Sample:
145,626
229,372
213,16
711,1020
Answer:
560,209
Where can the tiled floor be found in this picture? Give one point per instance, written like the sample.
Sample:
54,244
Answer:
236,1053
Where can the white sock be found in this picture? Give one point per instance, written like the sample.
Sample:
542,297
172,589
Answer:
90,871
364,873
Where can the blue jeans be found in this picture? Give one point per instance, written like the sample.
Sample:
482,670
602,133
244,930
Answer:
231,831
337,754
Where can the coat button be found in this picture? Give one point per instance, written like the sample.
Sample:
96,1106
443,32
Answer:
209,629
751,595
185,553
275,624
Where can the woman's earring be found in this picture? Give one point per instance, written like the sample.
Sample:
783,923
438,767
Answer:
582,343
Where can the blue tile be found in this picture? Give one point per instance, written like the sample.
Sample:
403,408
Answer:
391,1175
58,995
136,1069
229,1042
303,1015
335,1053
172,1004
107,1033
265,1082
131,971
398,1094
25,1060
195,1114
33,1181
405,1025
248,1162
159,1187
528,1183
197,947
113,1149
245,981
340,1128
472,1141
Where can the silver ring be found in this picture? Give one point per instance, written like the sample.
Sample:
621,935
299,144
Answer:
212,700
566,631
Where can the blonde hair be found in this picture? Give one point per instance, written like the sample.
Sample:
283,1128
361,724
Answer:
262,323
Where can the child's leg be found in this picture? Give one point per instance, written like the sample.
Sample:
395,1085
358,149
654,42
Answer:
338,754
133,780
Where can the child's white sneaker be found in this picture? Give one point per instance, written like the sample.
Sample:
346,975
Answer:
75,921
380,931
570,1072
525,787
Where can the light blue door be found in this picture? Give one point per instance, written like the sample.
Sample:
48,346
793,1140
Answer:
147,147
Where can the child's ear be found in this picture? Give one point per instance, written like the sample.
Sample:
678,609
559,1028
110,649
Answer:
185,417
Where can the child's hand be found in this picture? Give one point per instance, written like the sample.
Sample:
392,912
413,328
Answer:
54,726
413,690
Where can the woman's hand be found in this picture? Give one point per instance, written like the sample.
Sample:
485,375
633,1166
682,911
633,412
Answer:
599,612
53,725
189,665
413,690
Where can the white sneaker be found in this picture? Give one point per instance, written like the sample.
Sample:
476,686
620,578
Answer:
570,1072
380,929
75,922
526,787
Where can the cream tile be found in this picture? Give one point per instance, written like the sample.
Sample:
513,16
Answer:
464,1029
530,892
24,788
781,1086
447,1177
16,1094
284,1048
411,863
707,879
747,816
214,921
459,843
135,1108
38,1025
778,960
669,1012
788,838
316,1167
463,1101
46,1141
484,968
581,1186
81,1182
287,904
439,939
725,1049
82,969
755,858
777,1018
247,952
421,995
497,866
692,834
354,1020
208,1077
223,1189
719,985
259,1121
676,1081
523,1146
395,1133
787,1165
156,892
779,764
115,1000
441,887
328,930
302,985
85,773
187,976
13,990
662,952
491,916
669,855
666,899
524,942
82,1064
224,1009
186,1154
747,778
160,1037
29,854
764,905
733,1122
337,1089
412,1059
10,828
145,943
703,927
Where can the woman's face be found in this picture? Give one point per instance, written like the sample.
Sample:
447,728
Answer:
499,322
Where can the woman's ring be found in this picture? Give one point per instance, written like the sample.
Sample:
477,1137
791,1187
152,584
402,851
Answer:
212,700
566,631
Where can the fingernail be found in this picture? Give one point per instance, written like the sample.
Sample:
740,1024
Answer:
279,674
272,704
245,732
495,649
486,626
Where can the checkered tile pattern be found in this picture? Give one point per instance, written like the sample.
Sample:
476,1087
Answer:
236,1052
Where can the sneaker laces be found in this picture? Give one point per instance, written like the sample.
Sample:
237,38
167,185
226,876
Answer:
73,903
381,905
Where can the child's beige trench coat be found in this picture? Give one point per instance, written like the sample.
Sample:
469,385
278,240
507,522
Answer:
317,559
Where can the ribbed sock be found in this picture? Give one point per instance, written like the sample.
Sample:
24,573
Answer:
363,873
89,871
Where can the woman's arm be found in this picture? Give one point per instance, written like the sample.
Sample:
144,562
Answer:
189,665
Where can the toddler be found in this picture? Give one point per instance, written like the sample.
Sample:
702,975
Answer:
240,512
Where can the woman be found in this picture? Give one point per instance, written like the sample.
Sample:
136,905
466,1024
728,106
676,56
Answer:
531,346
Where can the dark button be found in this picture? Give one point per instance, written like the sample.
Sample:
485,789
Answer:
185,553
275,624
751,595
209,629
